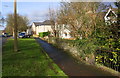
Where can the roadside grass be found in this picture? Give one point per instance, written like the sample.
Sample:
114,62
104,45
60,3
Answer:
31,60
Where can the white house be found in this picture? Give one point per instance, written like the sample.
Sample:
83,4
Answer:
110,16
29,31
38,27
64,31
45,26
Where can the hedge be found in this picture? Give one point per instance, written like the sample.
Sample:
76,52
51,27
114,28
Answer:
43,34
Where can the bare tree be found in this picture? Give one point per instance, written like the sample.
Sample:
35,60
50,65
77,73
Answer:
22,23
80,16
52,19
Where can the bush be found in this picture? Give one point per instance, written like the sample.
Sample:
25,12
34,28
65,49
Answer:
85,48
43,34
40,34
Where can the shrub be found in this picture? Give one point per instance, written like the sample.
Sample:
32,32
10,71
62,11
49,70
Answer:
43,34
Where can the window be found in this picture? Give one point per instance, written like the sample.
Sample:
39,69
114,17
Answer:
65,33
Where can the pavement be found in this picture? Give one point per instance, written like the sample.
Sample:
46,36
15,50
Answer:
69,65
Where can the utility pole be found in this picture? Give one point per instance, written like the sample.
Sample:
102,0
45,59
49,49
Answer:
15,27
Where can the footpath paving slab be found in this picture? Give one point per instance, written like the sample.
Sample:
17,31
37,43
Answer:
68,64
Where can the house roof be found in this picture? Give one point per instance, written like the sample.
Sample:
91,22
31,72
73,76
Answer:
37,23
111,10
46,22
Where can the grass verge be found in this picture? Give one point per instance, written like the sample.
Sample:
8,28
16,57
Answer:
29,61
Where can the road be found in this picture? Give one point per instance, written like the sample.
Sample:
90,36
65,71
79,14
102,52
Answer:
2,42
68,64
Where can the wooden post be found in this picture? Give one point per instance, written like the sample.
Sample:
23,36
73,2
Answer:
15,27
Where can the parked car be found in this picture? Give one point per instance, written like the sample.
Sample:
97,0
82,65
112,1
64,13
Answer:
2,36
5,35
23,35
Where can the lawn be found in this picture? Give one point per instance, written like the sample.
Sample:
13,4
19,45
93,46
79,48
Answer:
31,60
